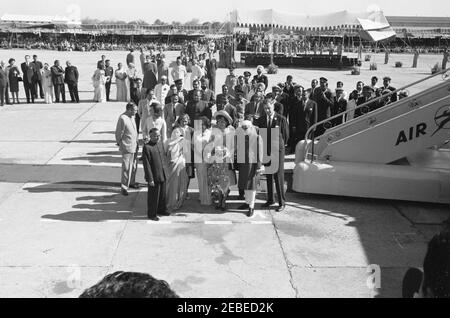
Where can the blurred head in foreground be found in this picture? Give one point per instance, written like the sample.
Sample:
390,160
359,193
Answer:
129,285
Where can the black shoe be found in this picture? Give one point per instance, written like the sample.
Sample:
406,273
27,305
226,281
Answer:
280,208
135,186
250,212
155,218
268,204
243,207
124,192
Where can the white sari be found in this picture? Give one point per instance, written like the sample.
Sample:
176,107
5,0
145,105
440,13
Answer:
99,80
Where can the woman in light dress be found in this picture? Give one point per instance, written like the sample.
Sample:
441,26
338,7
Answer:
47,84
121,84
201,140
178,150
220,156
99,80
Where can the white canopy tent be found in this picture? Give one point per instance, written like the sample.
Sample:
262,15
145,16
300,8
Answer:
372,26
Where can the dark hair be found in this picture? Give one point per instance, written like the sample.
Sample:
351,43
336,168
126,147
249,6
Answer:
205,121
129,285
154,129
157,108
11,60
436,266
269,95
130,106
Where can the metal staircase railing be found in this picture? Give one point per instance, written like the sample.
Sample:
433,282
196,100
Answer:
348,111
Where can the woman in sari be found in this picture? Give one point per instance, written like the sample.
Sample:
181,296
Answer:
121,84
178,150
47,84
99,80
201,140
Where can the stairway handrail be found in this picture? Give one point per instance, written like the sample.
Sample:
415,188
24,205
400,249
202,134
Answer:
313,127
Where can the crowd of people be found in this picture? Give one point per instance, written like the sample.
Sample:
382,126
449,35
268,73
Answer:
40,80
197,133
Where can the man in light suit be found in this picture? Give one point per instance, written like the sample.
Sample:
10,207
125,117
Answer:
275,150
127,140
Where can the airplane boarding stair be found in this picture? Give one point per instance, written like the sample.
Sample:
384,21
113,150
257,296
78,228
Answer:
395,152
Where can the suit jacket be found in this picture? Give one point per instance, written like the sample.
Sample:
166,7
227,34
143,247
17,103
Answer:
190,95
211,67
209,97
3,77
57,75
71,75
369,107
261,79
126,134
150,75
301,115
155,163
28,72
252,107
109,71
278,121
394,96
37,66
324,102
195,110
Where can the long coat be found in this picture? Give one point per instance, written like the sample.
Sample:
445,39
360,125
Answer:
252,160
150,75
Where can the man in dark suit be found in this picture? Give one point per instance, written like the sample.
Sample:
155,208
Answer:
28,73
58,81
192,92
109,72
387,88
71,79
300,116
37,77
225,94
340,106
197,108
260,77
156,174
211,67
207,94
255,108
324,99
150,73
275,151
3,84
367,96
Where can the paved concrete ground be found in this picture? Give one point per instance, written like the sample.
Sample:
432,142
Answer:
64,225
